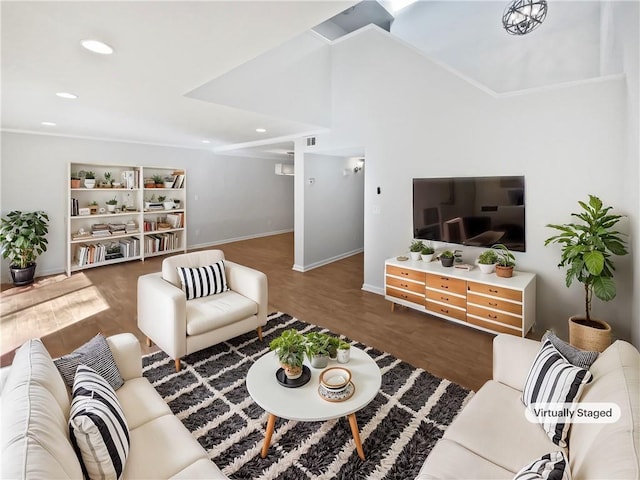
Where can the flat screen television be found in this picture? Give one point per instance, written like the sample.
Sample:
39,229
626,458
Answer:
473,211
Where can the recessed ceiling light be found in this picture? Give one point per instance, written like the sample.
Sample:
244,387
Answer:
97,47
48,124
206,141
261,130
67,95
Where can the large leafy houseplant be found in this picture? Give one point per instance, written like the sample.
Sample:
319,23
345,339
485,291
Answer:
587,248
23,239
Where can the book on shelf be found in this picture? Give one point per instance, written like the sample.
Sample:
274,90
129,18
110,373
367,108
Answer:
178,181
174,219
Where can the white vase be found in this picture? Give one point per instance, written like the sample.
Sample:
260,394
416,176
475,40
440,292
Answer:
487,268
167,205
344,355
89,182
427,258
415,255
111,208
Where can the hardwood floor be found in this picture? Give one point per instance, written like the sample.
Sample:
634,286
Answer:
67,311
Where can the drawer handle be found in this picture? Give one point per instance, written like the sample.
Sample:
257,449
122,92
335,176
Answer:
446,279
403,296
444,286
493,291
404,285
446,299
493,304
443,310
404,273
495,317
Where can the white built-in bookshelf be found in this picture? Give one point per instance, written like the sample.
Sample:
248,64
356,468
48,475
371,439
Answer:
147,219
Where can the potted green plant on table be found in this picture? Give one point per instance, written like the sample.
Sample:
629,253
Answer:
415,249
506,261
427,252
344,352
318,346
290,349
111,204
586,253
446,258
23,239
487,261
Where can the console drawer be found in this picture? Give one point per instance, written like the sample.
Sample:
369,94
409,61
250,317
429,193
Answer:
493,326
440,296
448,284
405,284
495,291
406,273
444,310
495,316
409,297
496,303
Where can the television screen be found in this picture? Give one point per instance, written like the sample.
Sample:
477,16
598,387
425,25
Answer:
474,211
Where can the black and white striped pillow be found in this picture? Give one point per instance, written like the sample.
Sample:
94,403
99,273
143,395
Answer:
552,466
203,281
97,426
95,354
553,384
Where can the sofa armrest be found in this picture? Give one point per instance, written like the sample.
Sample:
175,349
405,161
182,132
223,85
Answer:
162,314
250,283
512,359
125,349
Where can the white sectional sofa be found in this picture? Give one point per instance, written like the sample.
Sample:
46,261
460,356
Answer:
35,413
491,438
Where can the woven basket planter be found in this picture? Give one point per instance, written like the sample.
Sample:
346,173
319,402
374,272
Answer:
592,335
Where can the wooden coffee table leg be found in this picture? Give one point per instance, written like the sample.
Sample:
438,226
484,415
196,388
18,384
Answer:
271,423
356,434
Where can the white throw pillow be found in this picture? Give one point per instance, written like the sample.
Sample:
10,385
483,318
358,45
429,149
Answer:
553,384
97,426
203,281
552,466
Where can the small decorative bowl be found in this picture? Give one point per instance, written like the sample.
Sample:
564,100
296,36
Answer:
335,378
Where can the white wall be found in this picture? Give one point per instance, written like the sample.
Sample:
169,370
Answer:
333,210
417,119
237,197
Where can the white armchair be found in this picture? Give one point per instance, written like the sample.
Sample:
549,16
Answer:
180,327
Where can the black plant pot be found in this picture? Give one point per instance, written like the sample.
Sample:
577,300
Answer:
23,276
446,261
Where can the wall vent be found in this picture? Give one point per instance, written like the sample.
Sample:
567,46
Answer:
311,141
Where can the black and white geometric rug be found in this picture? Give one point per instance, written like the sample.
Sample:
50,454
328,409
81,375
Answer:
398,428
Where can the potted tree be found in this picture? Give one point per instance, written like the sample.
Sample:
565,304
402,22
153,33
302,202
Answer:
23,238
506,261
487,261
290,349
586,254
446,258
427,252
415,249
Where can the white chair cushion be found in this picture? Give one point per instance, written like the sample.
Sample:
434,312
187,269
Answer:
209,313
193,259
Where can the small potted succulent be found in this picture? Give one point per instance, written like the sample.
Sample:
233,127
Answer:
487,261
290,348
415,249
446,258
168,182
344,352
89,179
158,181
167,204
506,261
108,180
111,204
427,253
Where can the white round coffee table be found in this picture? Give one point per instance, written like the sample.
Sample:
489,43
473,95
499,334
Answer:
304,404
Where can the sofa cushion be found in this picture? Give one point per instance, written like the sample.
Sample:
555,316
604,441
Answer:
33,427
140,402
575,356
173,449
493,425
209,313
553,383
551,466
95,354
203,469
98,426
203,281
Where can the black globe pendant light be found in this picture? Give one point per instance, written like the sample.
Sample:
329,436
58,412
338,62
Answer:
523,16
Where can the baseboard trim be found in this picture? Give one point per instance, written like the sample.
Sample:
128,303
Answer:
326,261
373,289
237,239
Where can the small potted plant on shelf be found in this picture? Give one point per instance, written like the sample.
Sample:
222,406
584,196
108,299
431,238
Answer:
22,239
157,180
108,180
487,261
446,258
427,252
93,207
415,249
168,181
166,204
290,349
506,261
344,352
318,349
75,180
111,204
89,179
